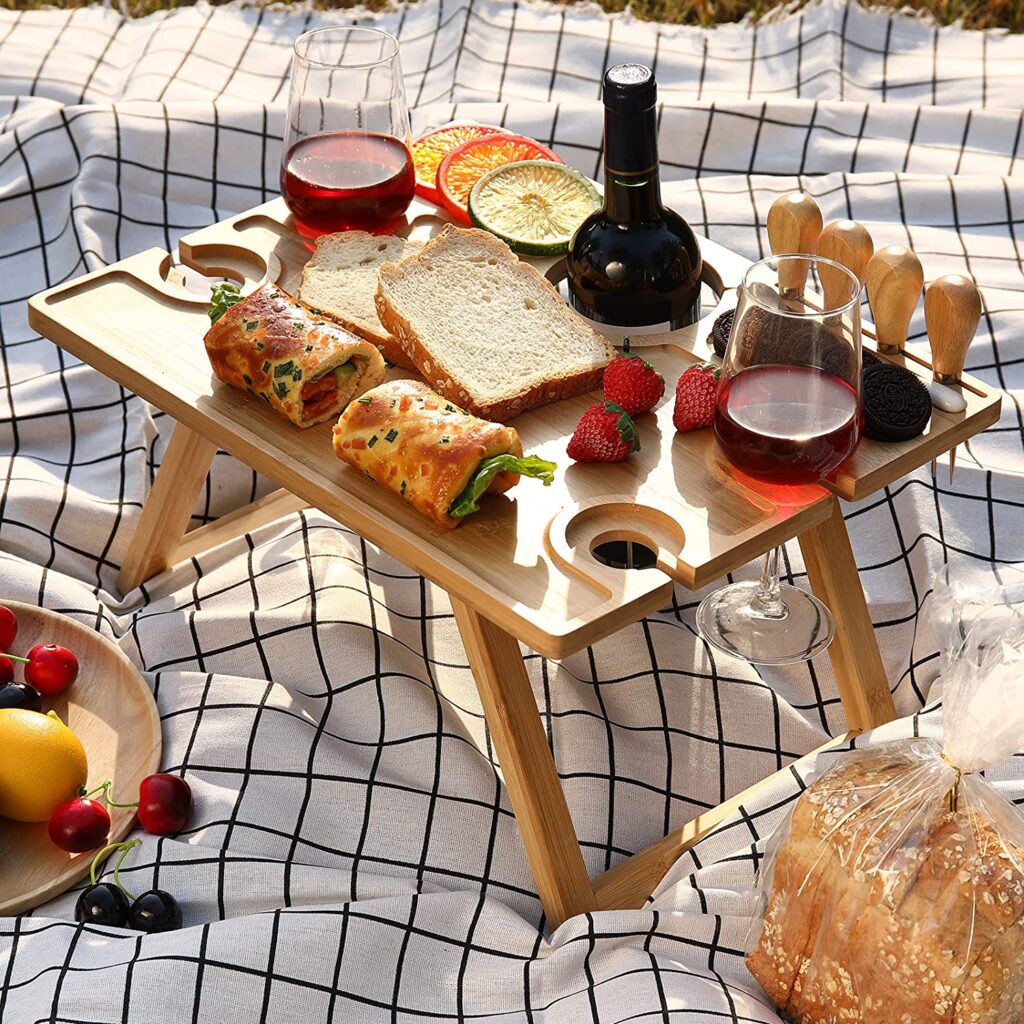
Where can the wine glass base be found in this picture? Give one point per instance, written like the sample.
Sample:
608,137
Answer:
730,623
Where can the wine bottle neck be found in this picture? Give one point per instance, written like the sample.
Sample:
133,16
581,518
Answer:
632,185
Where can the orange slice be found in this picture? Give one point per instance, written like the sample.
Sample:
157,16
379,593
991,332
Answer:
463,167
430,149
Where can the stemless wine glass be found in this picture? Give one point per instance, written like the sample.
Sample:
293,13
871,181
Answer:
788,413
346,162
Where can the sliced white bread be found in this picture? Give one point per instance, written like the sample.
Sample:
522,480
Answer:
487,330
340,279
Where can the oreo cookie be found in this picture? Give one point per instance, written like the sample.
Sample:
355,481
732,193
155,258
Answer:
794,341
720,331
897,405
868,358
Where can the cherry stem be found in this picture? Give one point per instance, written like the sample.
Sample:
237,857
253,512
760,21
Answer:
14,657
105,789
110,800
124,848
120,861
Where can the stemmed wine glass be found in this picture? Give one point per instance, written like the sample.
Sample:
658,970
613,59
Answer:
346,162
788,413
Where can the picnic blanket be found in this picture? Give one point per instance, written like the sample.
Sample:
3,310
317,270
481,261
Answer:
353,856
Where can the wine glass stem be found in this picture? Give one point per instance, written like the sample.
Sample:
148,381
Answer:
767,602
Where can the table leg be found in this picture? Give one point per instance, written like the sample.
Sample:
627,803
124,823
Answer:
168,508
856,660
527,766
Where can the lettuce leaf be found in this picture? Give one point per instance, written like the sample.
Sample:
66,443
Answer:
222,297
528,465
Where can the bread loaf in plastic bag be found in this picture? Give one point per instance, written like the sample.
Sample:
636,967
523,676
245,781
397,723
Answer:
894,894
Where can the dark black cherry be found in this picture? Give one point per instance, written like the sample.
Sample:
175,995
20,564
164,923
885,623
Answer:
20,695
102,903
155,911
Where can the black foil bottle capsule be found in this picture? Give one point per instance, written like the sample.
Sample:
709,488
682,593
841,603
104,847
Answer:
634,263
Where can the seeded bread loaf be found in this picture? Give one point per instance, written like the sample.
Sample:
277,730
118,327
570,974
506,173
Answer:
882,915
486,329
340,279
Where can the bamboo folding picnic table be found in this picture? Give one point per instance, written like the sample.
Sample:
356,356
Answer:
523,569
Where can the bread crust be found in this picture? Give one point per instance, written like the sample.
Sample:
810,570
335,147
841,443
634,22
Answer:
388,346
428,365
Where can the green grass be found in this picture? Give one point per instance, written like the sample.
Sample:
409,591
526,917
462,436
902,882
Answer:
975,13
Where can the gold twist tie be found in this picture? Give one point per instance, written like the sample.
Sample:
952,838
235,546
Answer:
953,797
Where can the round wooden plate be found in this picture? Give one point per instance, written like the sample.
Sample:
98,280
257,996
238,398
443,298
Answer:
112,711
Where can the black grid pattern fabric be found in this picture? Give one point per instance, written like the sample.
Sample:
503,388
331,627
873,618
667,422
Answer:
353,856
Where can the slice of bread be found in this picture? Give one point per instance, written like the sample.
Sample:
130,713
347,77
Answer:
340,279
487,330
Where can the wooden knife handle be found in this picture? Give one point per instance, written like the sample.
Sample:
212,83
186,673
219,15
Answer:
794,223
848,243
952,310
895,279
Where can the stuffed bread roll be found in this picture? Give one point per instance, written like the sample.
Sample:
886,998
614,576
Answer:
306,367
430,452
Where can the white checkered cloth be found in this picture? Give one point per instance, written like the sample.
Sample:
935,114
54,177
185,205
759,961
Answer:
353,856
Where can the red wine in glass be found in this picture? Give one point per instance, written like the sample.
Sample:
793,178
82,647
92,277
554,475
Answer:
787,424
344,181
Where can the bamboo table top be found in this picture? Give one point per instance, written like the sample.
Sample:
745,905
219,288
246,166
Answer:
524,560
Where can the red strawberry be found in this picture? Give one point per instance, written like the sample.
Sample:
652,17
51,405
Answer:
695,397
605,433
633,383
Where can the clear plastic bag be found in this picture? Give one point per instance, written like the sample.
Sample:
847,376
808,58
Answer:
895,892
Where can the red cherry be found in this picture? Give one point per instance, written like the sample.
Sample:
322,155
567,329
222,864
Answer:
8,628
79,825
6,671
165,803
51,669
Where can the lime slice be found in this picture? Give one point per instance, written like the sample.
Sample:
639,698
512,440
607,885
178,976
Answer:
533,205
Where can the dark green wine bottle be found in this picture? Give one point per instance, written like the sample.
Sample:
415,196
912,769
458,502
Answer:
634,263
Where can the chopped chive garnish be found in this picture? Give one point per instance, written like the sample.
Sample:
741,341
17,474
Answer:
391,435
266,366
373,440
251,325
284,369
297,375
365,401
281,389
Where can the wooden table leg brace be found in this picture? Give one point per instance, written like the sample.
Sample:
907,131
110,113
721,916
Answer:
160,539
529,769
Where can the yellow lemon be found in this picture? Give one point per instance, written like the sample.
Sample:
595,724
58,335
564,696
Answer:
42,764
